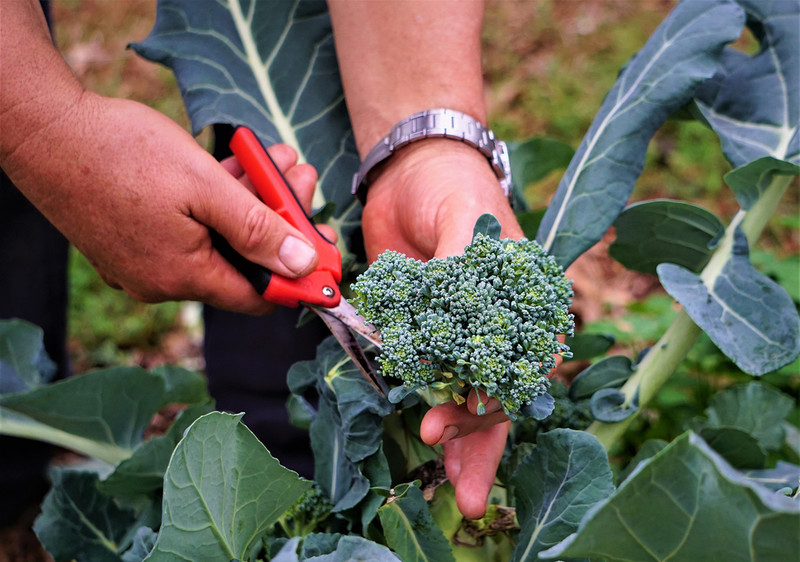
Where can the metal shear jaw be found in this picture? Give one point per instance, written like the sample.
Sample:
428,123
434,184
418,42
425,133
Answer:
344,323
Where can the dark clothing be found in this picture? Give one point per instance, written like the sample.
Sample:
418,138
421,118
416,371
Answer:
33,266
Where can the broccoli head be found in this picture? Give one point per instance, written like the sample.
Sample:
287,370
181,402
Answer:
306,515
487,319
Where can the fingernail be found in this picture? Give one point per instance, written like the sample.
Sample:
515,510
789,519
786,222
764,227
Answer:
296,254
450,432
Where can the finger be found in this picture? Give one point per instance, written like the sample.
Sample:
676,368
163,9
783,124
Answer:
477,397
458,221
205,277
450,421
480,456
224,287
302,179
251,228
452,460
283,155
232,166
328,232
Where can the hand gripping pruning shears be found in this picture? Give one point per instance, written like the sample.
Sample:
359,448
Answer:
318,291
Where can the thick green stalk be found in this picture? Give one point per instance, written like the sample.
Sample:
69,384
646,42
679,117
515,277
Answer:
17,425
665,356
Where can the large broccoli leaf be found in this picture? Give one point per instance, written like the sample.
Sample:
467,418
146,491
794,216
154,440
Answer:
565,475
222,491
753,102
682,53
102,414
686,487
270,66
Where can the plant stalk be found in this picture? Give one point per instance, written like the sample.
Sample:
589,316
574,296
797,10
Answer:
664,357
17,425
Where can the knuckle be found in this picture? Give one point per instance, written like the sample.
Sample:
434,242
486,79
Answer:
258,225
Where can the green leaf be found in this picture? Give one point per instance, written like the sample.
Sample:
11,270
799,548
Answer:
648,449
566,474
784,475
488,225
270,66
334,548
736,446
534,159
24,364
409,527
376,470
755,408
585,346
352,548
610,372
698,500
751,181
142,474
753,103
609,405
222,491
182,386
103,413
143,542
301,412
746,314
541,407
337,475
316,544
657,232
346,428
683,52
78,522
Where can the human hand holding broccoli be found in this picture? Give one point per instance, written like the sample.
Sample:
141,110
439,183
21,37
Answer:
425,204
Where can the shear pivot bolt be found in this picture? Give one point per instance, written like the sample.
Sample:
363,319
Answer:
328,291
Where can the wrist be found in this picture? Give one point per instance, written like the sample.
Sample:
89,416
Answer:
426,164
435,123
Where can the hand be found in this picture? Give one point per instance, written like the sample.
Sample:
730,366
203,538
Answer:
137,195
473,446
425,204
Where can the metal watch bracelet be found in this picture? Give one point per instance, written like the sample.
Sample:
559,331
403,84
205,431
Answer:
442,123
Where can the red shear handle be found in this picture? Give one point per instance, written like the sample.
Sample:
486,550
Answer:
321,286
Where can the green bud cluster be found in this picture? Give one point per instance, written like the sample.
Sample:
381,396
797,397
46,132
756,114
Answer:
306,515
487,319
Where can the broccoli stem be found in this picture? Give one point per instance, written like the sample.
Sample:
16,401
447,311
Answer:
664,357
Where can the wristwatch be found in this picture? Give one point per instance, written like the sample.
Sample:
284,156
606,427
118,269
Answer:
443,123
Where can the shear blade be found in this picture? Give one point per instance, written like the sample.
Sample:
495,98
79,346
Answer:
349,342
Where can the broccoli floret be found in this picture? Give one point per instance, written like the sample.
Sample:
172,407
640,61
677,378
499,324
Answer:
306,515
487,319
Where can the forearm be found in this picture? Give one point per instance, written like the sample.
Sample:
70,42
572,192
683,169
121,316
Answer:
37,89
400,57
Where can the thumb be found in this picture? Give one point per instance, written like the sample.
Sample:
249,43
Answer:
254,230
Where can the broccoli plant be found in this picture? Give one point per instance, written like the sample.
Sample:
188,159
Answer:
208,490
488,319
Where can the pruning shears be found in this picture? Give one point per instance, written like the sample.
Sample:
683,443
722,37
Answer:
318,291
